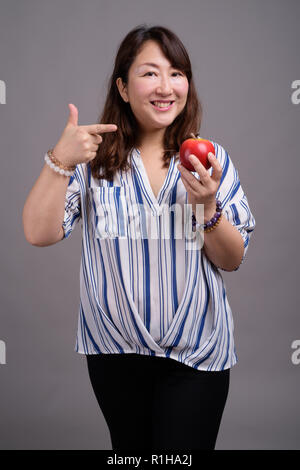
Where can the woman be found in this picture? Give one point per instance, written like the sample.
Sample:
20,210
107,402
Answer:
154,319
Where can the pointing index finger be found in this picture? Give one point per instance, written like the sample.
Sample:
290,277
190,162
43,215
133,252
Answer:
100,128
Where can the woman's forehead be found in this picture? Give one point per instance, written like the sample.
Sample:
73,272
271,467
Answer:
151,56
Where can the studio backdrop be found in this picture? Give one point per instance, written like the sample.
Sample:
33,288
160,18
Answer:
245,60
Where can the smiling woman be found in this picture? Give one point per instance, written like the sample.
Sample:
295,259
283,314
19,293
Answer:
161,90
154,320
152,68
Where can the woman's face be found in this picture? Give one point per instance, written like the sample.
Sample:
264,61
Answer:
151,78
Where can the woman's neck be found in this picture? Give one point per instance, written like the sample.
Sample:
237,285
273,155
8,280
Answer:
151,142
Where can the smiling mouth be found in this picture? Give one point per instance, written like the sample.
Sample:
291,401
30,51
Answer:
162,104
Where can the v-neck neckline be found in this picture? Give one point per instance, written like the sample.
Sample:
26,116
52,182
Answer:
156,201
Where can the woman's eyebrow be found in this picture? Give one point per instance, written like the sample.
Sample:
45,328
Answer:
151,64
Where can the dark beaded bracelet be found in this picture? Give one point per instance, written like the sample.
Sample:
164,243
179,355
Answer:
213,222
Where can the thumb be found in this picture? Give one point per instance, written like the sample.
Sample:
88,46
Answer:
73,116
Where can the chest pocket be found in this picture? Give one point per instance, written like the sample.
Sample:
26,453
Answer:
109,211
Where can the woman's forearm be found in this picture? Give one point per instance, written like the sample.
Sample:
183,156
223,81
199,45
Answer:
43,212
224,245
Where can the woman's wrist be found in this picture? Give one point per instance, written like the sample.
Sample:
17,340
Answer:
209,213
57,165
212,217
57,158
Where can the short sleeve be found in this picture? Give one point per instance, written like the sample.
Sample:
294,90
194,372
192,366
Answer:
234,201
72,206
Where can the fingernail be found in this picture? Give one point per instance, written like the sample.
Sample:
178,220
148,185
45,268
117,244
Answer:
210,155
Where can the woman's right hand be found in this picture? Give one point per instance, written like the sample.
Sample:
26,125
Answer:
79,144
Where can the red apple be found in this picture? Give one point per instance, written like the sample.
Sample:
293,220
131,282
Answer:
198,147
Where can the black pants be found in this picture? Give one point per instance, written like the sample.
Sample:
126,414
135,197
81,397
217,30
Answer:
154,403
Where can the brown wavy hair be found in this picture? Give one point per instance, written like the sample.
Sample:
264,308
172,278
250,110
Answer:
113,152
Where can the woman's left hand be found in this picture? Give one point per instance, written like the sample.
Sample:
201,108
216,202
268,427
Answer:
202,191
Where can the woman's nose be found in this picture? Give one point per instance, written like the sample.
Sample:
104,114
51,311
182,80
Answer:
165,86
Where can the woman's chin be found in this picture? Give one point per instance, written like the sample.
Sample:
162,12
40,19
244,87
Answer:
163,123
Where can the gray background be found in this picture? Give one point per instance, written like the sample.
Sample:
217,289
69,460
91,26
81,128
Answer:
245,55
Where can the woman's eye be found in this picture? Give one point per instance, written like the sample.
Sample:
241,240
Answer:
174,73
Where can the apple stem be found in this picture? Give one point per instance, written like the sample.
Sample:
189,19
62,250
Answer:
193,135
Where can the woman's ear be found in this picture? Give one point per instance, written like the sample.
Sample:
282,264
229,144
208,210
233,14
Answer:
122,89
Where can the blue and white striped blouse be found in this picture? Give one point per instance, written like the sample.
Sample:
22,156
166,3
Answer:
152,293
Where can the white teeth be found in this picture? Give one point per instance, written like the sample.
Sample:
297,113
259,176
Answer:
159,104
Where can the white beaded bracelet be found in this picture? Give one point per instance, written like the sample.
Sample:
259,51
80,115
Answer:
56,168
